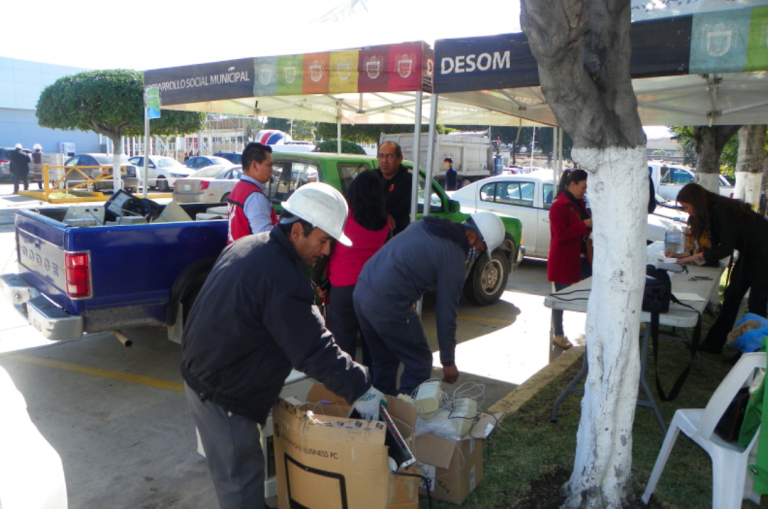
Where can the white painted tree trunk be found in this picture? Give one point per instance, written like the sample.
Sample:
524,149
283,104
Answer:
709,181
117,181
749,167
618,194
747,187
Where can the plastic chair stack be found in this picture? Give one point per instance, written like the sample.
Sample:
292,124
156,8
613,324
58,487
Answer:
730,481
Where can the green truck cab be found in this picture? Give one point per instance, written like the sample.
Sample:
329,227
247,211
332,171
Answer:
485,279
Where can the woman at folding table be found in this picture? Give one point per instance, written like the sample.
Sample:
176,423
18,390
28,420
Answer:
570,250
722,225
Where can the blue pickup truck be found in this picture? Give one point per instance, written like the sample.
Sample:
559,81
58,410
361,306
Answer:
109,272
133,263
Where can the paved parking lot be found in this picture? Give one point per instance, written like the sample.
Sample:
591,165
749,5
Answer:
118,418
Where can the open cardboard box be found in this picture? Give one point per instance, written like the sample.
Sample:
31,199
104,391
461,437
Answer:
326,461
454,468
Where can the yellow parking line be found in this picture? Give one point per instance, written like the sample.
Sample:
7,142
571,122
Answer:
478,319
104,373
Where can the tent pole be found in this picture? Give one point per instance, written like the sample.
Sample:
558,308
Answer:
430,154
415,157
338,128
146,147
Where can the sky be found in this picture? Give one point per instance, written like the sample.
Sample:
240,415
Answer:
144,34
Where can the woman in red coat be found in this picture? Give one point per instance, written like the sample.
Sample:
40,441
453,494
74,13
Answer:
570,225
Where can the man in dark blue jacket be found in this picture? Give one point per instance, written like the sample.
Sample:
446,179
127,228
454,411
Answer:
432,253
253,320
450,174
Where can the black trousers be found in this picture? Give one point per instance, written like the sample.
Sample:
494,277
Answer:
17,179
343,322
741,281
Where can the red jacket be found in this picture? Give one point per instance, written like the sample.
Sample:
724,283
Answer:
567,229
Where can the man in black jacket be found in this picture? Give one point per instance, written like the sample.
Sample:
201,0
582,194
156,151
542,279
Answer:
253,320
397,183
19,168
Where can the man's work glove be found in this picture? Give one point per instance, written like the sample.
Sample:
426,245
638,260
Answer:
368,404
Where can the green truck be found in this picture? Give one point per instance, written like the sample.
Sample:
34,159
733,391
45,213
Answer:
486,279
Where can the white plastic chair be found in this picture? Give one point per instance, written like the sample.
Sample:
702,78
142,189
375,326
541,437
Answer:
730,481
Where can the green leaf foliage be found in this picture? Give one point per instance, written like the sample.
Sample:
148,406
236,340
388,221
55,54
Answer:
110,103
347,147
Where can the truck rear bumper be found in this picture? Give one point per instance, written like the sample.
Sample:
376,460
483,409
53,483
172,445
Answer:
50,320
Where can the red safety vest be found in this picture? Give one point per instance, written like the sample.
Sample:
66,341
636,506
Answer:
239,226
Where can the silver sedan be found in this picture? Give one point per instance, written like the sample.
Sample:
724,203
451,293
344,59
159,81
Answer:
209,185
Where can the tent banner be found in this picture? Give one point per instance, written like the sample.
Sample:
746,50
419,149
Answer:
230,79
656,9
403,67
710,42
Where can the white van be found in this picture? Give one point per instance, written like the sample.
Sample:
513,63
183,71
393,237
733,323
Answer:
670,178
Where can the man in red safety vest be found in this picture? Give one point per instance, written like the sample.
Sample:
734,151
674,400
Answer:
250,210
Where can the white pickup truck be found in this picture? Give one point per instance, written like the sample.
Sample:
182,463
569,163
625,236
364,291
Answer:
670,178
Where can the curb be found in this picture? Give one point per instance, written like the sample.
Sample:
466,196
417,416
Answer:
524,392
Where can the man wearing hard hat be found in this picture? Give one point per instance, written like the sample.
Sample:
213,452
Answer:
19,168
431,253
254,320
37,165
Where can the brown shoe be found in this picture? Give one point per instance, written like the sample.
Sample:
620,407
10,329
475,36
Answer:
562,342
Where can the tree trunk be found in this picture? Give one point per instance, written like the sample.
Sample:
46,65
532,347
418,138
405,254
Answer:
710,142
117,181
749,167
583,50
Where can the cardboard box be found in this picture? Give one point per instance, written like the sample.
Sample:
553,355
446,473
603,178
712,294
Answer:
454,468
326,461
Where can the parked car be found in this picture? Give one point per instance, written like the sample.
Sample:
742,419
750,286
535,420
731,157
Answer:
199,162
130,180
529,198
209,185
5,164
670,178
234,157
162,171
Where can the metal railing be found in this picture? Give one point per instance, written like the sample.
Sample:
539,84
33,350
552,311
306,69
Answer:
86,183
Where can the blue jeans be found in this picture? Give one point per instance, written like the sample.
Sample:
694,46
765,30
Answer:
390,342
585,271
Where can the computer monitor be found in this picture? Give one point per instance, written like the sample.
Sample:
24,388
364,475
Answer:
328,489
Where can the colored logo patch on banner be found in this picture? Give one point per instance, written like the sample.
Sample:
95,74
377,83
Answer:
316,73
757,48
405,67
343,72
372,67
719,42
264,76
290,75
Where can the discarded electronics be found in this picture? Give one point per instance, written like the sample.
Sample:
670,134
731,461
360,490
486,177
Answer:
325,460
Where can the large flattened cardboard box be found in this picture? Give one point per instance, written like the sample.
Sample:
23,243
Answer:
326,461
454,468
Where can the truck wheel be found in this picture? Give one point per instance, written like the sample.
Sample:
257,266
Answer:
162,184
488,279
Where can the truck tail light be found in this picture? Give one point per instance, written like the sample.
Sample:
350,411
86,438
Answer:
204,185
78,270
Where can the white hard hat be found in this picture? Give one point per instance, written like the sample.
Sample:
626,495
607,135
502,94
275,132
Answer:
38,146
18,145
322,206
491,229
